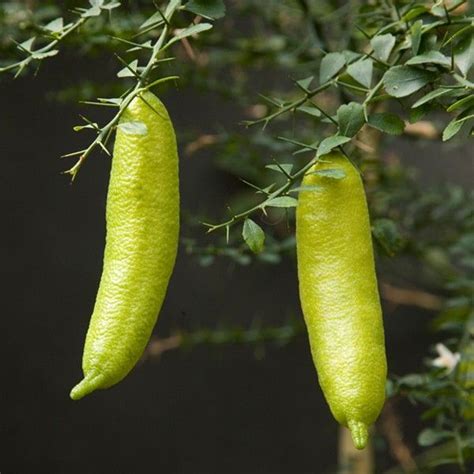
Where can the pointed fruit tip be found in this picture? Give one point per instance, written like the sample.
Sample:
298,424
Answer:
359,432
86,386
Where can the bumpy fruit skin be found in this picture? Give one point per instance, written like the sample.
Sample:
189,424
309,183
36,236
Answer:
339,296
142,238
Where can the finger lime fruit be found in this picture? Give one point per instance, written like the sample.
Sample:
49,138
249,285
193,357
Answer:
338,293
142,217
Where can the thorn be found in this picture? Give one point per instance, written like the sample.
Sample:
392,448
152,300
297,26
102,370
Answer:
74,153
152,108
161,13
363,32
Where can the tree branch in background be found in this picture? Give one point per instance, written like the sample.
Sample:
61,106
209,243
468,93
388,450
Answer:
391,428
402,296
257,334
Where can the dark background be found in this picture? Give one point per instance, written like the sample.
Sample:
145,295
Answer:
211,410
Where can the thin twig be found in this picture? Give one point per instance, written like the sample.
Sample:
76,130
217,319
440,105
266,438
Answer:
292,105
158,346
391,429
48,47
139,87
281,190
407,297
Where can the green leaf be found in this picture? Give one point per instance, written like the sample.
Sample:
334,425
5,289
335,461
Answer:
438,10
350,118
331,64
401,81
310,188
361,71
390,388
429,97
47,54
388,236
431,57
133,128
172,6
268,257
211,9
428,42
412,380
27,45
285,167
90,12
129,70
310,110
439,7
429,436
463,81
350,56
452,129
111,5
192,30
387,123
282,201
206,260
458,34
416,30
78,128
414,12
335,173
55,26
114,101
463,103
464,54
305,83
330,143
309,147
253,235
383,46
466,115
156,19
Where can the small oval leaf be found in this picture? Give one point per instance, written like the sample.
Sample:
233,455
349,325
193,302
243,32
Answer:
133,128
401,81
282,201
253,235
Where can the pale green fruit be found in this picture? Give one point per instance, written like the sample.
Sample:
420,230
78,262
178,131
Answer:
339,296
142,238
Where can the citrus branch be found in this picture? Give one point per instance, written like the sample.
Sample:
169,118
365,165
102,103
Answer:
104,131
291,179
142,84
256,334
59,35
42,53
292,105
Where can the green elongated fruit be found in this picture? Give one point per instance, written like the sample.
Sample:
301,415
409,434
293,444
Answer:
339,296
142,238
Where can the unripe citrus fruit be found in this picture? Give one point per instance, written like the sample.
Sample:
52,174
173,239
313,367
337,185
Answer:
338,292
142,237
